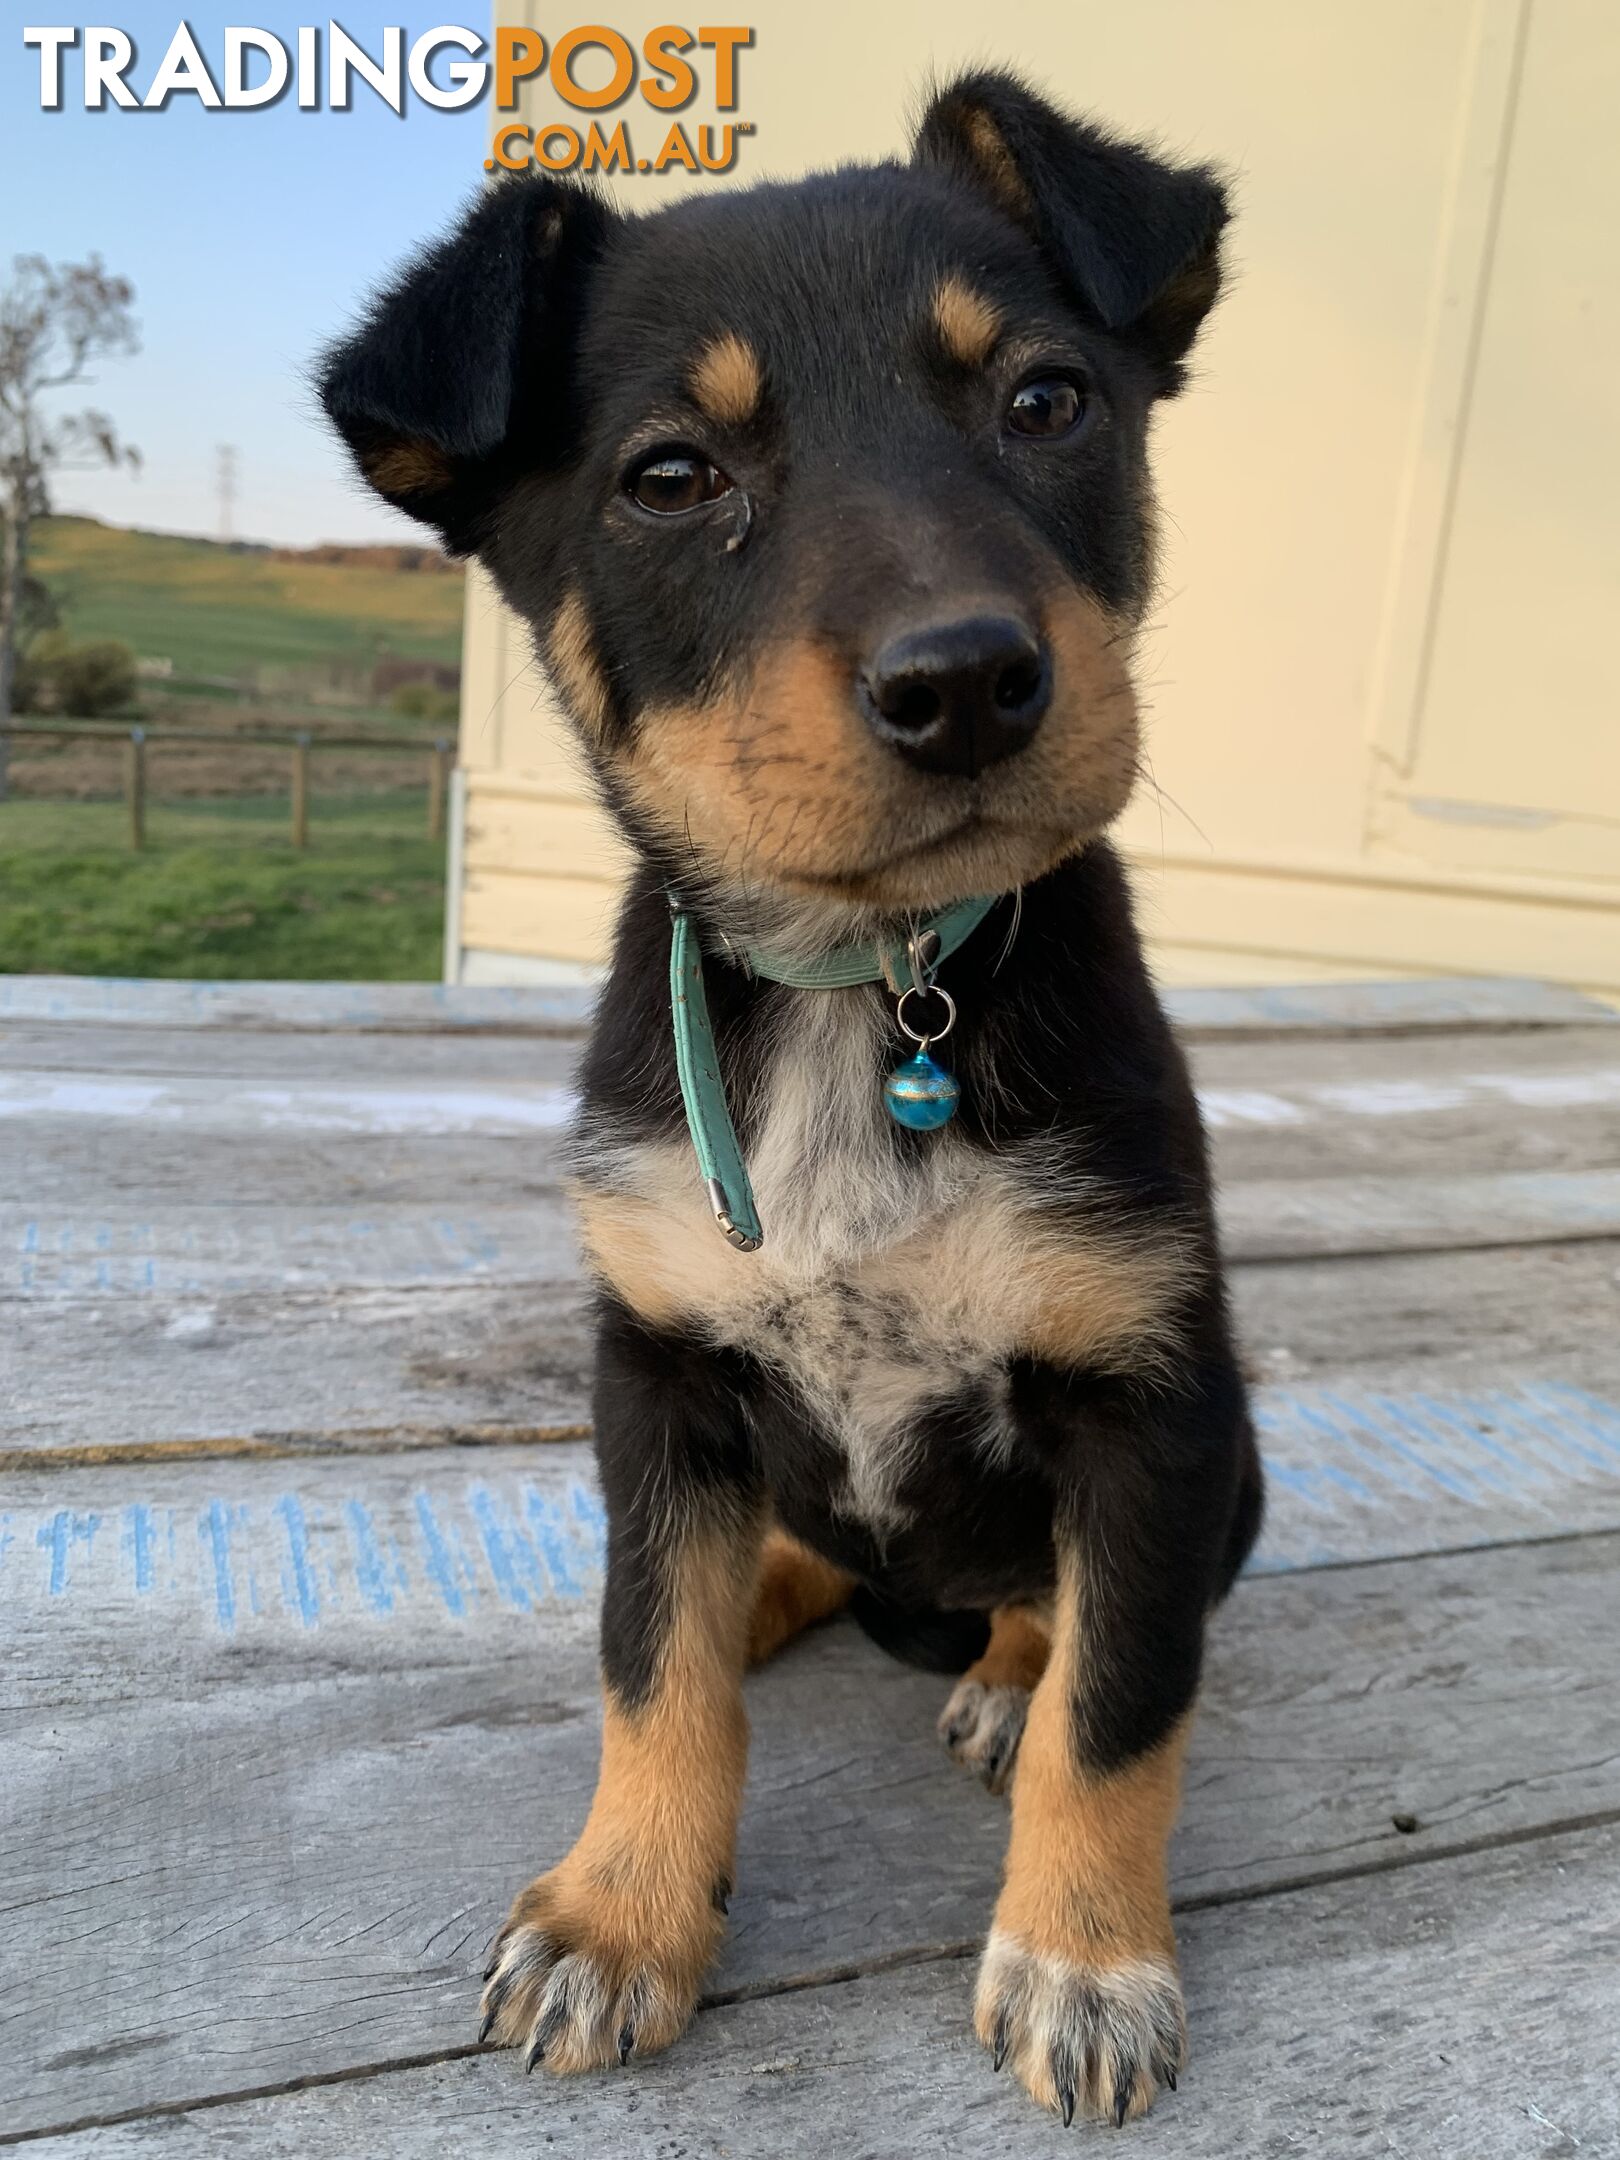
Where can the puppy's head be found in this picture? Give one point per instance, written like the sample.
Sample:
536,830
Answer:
828,503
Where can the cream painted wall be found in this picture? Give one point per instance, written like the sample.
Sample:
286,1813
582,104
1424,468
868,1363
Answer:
1383,706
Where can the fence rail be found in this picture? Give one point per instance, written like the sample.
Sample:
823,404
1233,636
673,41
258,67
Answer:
299,746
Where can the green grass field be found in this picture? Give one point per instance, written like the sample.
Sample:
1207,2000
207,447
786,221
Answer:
216,611
219,892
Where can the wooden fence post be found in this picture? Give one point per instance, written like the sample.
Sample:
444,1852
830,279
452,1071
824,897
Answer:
300,792
135,785
438,762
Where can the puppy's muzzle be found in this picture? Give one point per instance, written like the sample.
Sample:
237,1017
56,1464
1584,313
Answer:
959,696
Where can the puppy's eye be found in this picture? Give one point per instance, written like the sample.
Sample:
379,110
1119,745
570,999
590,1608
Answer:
672,481
1046,406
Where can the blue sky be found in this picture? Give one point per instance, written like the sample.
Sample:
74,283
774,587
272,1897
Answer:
249,237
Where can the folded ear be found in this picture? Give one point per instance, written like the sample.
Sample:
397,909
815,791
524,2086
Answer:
1136,240
458,374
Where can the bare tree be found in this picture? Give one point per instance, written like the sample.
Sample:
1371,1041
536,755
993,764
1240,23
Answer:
56,321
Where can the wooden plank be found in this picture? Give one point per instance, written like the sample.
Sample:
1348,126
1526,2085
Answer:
284,1533
1440,1004
220,1250
96,1210
399,1008
1307,1108
1467,2011
84,1165
132,1371
142,1102
415,1215
1460,1004
1300,1218
238,1057
1453,1105
233,1858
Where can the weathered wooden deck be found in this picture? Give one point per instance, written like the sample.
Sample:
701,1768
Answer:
299,1551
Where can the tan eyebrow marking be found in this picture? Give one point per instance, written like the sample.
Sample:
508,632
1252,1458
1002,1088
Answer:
727,380
968,324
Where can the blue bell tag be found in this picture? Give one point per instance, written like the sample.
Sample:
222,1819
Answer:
921,1094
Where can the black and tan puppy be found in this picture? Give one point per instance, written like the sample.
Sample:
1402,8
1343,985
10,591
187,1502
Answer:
829,507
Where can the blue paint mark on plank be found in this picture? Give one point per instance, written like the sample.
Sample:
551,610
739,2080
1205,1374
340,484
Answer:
58,1536
557,1540
297,1575
215,1532
1437,1444
1599,1420
1553,1439
441,1569
1473,1423
138,1542
513,1562
1426,1466
371,1572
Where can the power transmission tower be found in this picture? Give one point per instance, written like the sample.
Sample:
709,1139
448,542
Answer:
225,482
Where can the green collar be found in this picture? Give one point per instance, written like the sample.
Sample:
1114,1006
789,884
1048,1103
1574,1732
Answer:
905,965
846,965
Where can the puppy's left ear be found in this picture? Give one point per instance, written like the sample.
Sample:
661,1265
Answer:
1136,240
459,379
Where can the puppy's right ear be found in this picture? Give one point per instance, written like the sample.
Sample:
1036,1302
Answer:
458,377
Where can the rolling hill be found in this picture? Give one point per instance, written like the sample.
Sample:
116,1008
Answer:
246,614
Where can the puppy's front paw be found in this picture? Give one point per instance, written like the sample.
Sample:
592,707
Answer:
982,1726
584,1975
1096,2036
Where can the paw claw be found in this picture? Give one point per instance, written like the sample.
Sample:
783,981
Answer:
577,1982
1084,2035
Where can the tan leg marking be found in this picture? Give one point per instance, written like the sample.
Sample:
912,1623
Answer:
983,1723
796,1588
605,1954
1078,1988
727,380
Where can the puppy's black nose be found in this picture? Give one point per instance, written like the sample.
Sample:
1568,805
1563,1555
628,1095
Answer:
958,696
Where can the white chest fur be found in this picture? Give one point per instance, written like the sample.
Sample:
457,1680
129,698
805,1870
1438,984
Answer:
892,1276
